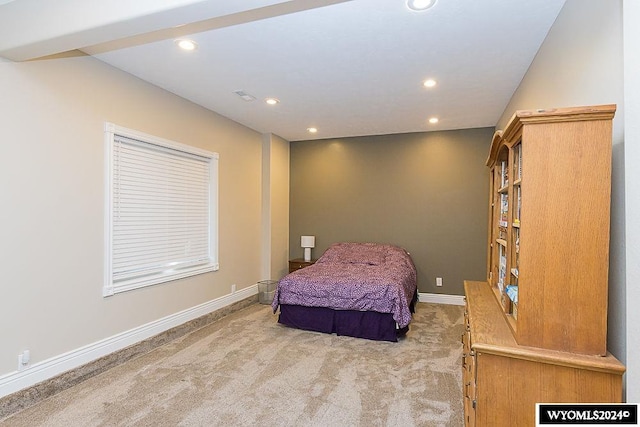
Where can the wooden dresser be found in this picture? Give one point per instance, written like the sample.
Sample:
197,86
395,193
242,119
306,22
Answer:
536,329
502,381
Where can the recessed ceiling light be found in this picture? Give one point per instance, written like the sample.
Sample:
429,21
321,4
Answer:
419,5
433,120
271,101
429,83
312,130
186,44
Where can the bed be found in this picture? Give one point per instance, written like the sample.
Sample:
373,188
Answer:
364,290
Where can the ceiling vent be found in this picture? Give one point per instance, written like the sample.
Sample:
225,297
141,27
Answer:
244,95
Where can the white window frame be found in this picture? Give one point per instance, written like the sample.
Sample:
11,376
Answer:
165,271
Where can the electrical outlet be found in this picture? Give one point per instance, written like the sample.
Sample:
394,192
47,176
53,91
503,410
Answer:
24,359
233,288
438,281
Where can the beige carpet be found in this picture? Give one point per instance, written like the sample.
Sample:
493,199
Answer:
247,370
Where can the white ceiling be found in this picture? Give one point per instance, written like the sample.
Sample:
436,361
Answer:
349,68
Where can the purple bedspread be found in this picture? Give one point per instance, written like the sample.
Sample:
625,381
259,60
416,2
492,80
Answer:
354,276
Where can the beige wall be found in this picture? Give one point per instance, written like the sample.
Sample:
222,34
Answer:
52,164
275,207
581,63
427,192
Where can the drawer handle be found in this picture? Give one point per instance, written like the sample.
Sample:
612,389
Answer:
466,389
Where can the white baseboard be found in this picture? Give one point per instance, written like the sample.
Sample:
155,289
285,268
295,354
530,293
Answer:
41,371
441,298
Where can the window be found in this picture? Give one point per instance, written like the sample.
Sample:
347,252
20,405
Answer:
161,210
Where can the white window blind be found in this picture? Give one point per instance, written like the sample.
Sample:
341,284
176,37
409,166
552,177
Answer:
162,210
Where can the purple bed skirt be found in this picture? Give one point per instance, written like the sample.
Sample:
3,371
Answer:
360,324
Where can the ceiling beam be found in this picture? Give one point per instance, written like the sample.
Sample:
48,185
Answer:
31,29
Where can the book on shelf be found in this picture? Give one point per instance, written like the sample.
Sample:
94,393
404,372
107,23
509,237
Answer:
512,293
502,232
504,175
502,267
518,204
517,163
504,210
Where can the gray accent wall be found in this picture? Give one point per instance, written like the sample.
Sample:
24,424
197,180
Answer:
426,192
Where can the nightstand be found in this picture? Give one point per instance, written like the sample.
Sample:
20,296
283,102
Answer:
298,263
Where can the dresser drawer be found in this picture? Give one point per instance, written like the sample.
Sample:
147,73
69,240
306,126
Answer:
298,263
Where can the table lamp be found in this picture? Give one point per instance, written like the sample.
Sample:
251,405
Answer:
307,242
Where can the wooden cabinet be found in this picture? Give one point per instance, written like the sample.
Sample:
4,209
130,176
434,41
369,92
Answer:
298,263
503,381
536,330
549,236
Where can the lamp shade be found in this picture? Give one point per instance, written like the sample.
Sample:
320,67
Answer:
308,241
